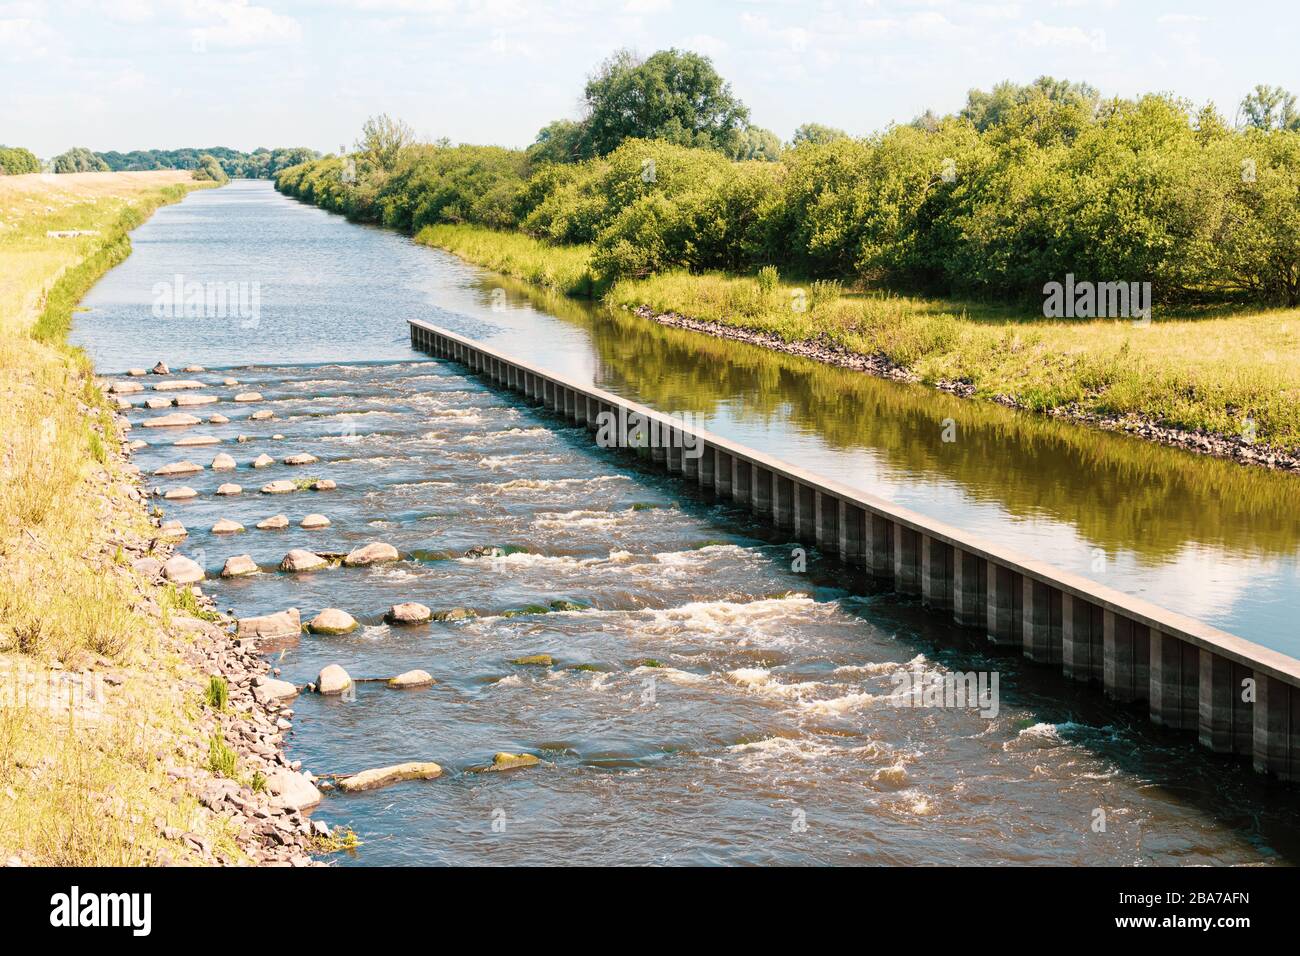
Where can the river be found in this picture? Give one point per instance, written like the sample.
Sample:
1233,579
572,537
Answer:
708,701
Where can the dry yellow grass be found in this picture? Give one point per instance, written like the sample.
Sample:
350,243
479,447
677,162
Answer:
76,787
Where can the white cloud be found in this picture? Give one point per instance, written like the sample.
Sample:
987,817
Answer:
1040,34
236,23
22,38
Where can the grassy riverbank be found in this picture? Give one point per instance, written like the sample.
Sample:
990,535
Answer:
86,784
1226,373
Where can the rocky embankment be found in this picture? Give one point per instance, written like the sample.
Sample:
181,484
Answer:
1236,447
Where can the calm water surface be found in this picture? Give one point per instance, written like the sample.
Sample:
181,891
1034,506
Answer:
707,703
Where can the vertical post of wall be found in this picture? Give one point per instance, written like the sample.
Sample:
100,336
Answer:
853,534
760,496
1174,696
706,467
1003,589
1041,627
969,604
937,561
827,522
1276,735
907,559
742,477
1082,639
783,502
722,473
879,547
1126,667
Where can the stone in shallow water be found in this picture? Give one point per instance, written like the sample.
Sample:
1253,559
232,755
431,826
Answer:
411,680
179,468
238,566
190,441
172,529
229,488
372,553
455,614
408,612
136,372
181,570
262,461
382,776
153,404
175,420
138,444
248,397
218,419
262,416
161,369
183,400
325,484
312,522
281,487
332,679
223,462
194,368
180,385
302,459
281,624
226,526
184,493
273,523
507,761
300,559
332,621
538,660
125,388
230,382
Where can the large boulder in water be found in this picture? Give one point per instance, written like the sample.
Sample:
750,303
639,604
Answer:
279,625
332,680
332,621
301,560
383,776
372,553
408,612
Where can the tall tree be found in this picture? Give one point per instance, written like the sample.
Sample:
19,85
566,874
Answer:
382,140
1270,107
818,134
674,95
79,160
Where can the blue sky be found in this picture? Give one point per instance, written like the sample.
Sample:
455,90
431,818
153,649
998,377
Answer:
125,74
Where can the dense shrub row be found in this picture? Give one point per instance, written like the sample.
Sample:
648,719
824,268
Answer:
15,161
1141,190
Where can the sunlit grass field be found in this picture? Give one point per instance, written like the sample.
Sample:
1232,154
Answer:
74,789
1226,373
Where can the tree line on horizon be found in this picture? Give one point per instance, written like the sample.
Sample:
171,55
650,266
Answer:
217,162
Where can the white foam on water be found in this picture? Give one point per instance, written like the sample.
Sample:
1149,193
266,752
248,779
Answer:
543,484
577,519
673,676
838,706
760,680
514,680
535,432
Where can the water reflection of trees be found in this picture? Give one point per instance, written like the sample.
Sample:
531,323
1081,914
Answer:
1118,492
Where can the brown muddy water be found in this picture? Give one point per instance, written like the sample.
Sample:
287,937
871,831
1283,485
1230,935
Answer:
710,700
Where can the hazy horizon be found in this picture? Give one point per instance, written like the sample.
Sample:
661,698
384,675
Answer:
139,74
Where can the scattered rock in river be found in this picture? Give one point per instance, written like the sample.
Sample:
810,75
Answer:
248,397
179,468
226,526
537,660
332,621
300,559
278,625
332,680
194,368
455,614
153,404
172,529
161,369
190,441
181,570
138,444
175,420
184,400
136,372
372,553
302,459
313,522
411,680
223,462
229,382
218,419
383,776
325,484
184,493
408,612
244,438
230,488
273,523
281,487
239,565
507,761
125,388
179,385
262,461
262,416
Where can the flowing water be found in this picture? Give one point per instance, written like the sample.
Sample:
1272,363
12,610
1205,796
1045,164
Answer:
708,701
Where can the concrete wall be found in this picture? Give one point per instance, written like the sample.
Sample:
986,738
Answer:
1235,696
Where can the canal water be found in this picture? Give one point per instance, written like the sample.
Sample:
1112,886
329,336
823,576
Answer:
716,693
